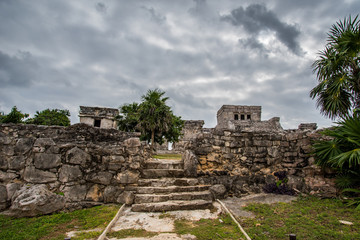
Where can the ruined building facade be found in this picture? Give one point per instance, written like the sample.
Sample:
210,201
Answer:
99,116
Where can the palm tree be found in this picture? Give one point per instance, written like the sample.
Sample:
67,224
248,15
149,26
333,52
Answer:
338,70
155,116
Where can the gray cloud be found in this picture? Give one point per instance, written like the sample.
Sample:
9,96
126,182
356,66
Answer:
17,70
256,18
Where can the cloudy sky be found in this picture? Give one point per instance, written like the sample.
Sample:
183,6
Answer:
202,53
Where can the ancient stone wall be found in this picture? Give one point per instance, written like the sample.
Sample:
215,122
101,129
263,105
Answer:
83,163
245,161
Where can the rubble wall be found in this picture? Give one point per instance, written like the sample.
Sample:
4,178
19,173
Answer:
246,161
80,162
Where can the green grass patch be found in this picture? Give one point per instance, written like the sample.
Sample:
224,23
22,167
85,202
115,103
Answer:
131,233
55,226
204,229
168,156
308,218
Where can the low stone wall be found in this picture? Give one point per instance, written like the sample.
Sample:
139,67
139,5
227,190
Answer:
246,161
84,164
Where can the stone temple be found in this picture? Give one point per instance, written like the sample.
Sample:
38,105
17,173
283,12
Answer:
99,116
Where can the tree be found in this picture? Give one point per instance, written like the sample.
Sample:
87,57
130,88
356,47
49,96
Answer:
338,70
128,118
152,117
15,116
51,117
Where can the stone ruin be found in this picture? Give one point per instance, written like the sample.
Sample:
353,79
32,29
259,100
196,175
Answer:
99,116
85,165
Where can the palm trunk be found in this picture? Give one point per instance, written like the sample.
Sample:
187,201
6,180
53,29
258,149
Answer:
152,141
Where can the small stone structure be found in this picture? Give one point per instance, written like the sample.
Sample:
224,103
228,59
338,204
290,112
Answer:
246,118
98,116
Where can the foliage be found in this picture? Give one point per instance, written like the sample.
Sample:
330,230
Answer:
56,225
307,217
338,70
280,187
124,233
342,151
51,117
15,116
152,117
168,156
128,118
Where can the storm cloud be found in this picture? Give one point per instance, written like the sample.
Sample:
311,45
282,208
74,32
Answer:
202,53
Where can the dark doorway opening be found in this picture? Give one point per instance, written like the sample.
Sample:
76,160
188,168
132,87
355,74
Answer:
97,123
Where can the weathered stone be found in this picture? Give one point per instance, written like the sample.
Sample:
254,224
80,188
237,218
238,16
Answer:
77,156
132,142
218,191
7,176
70,173
23,145
11,188
94,194
46,160
3,163
102,178
3,197
35,200
75,193
111,193
126,197
8,150
33,175
44,142
296,182
5,140
128,177
190,164
17,162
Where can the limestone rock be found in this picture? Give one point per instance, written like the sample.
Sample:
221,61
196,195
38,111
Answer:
190,164
23,145
126,197
3,163
17,162
102,178
94,194
75,193
11,188
46,160
111,193
218,191
77,156
7,176
34,175
69,173
3,197
128,177
35,200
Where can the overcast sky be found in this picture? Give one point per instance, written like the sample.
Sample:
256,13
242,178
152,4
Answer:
202,53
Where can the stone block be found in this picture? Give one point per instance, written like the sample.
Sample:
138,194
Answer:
94,194
70,173
101,178
47,160
190,164
23,145
5,140
218,191
7,176
128,177
11,188
3,163
75,193
44,142
33,175
126,197
30,201
132,142
8,150
111,193
3,194
17,162
77,156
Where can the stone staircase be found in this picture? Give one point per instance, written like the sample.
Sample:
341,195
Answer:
163,187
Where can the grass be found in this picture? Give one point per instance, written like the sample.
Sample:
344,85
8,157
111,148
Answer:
55,226
308,218
168,156
131,232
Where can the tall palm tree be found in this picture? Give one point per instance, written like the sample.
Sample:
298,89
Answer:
154,115
338,70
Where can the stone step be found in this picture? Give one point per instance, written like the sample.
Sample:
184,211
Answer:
148,198
164,182
157,173
164,164
171,189
171,206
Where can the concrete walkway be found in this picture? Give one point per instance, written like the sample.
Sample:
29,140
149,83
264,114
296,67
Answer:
163,223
